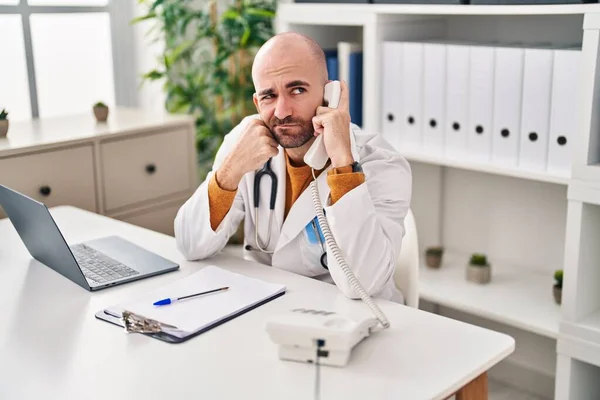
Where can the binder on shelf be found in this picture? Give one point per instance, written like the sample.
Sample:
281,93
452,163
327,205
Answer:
563,110
391,109
331,59
434,88
508,86
457,101
412,96
535,115
187,318
350,64
481,102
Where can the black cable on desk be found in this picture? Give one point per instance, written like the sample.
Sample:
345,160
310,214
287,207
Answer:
320,343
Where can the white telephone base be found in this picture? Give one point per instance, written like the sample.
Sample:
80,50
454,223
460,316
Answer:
300,333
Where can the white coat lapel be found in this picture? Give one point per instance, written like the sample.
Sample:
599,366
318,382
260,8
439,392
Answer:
303,211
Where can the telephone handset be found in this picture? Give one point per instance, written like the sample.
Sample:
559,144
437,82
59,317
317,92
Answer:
310,335
316,156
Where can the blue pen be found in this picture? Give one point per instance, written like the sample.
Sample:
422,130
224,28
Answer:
164,302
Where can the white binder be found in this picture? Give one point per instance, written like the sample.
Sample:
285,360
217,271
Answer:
434,85
481,102
535,116
563,111
457,101
508,85
412,96
391,110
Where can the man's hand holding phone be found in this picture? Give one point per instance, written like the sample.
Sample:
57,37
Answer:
254,147
334,124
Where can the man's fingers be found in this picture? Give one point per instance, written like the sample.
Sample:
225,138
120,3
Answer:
317,122
323,110
344,103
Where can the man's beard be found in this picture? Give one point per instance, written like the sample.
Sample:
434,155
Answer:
294,136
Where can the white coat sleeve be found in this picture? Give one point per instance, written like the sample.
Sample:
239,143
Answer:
194,236
368,223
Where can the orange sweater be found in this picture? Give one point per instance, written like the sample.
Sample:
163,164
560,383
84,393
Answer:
340,180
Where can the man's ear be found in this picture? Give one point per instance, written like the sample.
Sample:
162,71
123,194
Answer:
255,100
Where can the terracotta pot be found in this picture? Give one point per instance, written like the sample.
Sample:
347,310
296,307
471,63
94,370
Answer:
3,127
479,274
557,291
433,260
101,113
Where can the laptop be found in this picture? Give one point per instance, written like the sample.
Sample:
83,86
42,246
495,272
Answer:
93,265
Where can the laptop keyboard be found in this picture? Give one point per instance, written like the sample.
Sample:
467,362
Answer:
99,267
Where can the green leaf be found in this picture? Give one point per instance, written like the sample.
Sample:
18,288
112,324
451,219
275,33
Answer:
156,4
230,14
256,12
143,18
153,75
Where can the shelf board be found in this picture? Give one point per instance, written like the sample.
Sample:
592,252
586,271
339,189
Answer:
515,297
488,168
313,13
584,191
586,330
578,349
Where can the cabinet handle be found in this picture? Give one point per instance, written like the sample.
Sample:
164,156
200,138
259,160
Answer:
45,191
151,168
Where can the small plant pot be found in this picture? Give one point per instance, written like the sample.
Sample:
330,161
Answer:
557,291
433,260
479,274
101,113
3,128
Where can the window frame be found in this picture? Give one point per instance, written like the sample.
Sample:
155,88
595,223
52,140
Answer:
122,43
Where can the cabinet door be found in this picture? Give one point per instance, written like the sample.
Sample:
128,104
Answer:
57,177
140,169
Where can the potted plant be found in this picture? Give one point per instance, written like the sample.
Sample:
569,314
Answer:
433,256
101,111
557,289
3,123
478,269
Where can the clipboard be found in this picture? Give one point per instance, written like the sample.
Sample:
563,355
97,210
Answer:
181,321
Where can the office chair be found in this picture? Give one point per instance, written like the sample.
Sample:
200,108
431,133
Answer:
406,275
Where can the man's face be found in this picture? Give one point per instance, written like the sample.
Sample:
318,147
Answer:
288,92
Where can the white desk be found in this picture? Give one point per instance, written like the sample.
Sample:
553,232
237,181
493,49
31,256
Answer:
52,346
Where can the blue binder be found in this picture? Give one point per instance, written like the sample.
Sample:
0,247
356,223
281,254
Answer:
331,58
356,84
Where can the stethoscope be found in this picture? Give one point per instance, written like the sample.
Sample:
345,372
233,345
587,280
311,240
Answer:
268,171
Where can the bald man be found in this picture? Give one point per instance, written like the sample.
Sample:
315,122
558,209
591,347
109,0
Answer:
365,187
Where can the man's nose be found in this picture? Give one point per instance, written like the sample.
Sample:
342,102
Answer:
283,108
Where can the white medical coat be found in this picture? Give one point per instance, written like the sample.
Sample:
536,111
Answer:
367,222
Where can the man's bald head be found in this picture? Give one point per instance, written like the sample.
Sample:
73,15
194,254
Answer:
289,75
290,46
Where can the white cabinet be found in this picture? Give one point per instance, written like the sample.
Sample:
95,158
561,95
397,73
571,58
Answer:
138,167
53,177
145,168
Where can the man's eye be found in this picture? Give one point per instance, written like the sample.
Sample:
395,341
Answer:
299,90
267,96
